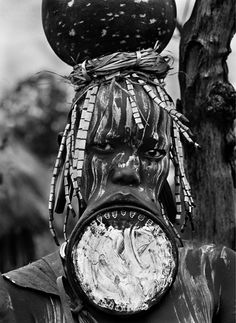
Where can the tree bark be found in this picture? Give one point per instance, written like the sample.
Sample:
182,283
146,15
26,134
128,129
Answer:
208,101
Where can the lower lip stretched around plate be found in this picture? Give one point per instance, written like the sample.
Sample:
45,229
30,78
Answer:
123,260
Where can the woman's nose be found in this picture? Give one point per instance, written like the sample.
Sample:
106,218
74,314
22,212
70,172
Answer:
126,176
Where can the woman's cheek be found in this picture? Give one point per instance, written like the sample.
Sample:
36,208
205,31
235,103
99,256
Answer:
154,174
88,176
95,173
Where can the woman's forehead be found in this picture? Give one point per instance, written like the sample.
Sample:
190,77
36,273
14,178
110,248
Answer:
113,116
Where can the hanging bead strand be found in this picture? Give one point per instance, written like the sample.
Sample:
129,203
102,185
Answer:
73,121
169,107
82,133
134,107
80,142
56,171
177,180
67,186
188,200
168,222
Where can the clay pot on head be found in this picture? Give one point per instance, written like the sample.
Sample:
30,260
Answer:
81,29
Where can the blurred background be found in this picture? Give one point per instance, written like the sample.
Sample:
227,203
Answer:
33,109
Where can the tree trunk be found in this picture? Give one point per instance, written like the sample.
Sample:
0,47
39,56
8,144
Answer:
208,101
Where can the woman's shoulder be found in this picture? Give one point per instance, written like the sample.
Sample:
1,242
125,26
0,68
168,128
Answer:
210,268
40,275
214,253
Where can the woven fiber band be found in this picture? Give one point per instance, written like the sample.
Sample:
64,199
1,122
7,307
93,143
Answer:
120,63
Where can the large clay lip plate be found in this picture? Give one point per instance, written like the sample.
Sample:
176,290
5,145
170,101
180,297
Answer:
75,237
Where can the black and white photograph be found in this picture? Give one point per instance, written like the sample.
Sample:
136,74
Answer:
117,161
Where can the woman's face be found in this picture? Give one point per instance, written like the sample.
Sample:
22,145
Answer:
122,163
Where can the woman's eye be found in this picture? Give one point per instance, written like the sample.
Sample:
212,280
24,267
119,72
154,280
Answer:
154,153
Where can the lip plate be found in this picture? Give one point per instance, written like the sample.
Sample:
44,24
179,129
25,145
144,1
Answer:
78,231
